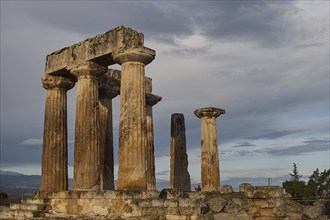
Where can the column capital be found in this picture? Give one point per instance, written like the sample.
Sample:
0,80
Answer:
50,81
152,99
114,74
143,55
88,68
108,87
209,112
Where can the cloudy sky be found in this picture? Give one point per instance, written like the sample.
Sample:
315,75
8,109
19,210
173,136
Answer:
265,62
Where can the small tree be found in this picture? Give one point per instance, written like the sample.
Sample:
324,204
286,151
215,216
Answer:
295,186
319,183
295,174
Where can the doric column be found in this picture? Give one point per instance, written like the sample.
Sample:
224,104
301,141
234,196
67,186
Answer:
209,156
108,89
179,175
132,127
87,167
151,100
54,173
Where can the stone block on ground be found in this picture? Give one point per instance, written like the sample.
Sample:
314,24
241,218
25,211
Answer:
226,189
217,204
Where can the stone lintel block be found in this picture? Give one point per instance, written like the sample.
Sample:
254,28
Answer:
58,195
110,194
142,54
261,192
169,193
152,194
157,202
98,49
152,99
31,207
171,203
196,195
91,194
186,202
209,112
125,194
33,201
189,211
226,189
145,203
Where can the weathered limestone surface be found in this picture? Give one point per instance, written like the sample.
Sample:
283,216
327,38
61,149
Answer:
257,203
151,100
98,49
87,164
132,127
179,175
209,156
108,89
54,175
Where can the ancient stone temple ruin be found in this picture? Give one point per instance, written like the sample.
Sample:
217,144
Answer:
87,65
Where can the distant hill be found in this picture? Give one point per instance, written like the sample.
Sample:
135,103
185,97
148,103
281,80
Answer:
17,184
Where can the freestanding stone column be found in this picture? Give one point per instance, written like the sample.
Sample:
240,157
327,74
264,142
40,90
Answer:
87,167
179,175
151,100
54,173
108,89
132,127
209,157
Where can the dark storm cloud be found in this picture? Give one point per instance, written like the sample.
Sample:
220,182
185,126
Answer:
13,155
308,147
273,134
87,17
244,144
243,20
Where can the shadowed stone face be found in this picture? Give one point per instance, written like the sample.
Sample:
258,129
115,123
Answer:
108,89
180,178
151,100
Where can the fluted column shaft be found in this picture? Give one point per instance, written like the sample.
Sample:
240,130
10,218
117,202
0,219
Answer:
54,173
151,100
87,167
132,127
108,89
209,156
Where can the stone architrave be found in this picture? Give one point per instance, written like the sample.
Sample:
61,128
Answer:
151,100
179,175
108,89
132,127
54,173
99,49
209,156
87,167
